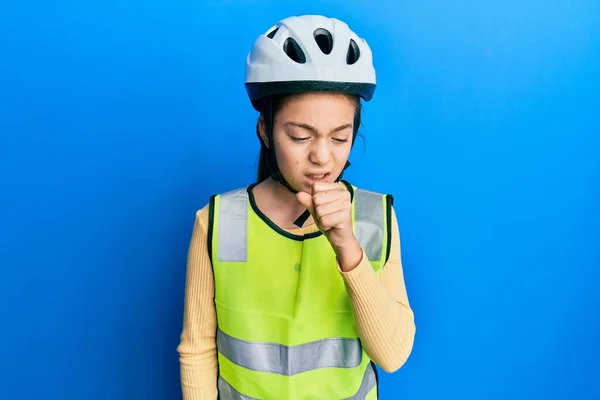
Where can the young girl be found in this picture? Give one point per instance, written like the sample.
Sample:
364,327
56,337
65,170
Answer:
294,284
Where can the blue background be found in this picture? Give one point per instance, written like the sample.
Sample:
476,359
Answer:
118,119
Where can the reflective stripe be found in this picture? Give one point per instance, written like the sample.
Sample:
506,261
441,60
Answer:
228,392
368,213
290,360
368,383
233,226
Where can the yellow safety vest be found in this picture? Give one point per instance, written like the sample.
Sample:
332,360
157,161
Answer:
286,328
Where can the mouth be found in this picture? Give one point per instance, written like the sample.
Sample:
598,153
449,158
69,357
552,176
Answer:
312,178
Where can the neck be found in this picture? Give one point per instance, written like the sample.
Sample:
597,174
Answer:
286,201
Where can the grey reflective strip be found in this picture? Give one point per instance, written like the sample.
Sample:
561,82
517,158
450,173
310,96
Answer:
368,383
368,212
290,360
228,392
233,226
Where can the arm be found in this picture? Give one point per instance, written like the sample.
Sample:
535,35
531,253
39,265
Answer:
197,348
384,319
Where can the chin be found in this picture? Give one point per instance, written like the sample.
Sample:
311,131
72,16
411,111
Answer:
301,186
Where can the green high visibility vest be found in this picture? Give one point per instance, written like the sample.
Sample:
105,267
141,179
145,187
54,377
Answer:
286,328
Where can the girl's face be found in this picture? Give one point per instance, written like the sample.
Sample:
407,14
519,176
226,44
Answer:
312,135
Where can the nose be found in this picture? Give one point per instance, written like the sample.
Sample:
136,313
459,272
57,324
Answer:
320,153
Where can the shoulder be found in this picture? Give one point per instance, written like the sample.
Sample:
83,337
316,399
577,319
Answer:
370,201
367,195
365,189
204,214
240,191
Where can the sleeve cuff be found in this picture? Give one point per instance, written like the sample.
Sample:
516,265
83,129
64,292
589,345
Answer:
357,273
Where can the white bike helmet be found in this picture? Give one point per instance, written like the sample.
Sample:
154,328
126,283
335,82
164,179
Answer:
309,53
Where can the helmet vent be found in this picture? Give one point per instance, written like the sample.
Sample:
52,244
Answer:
324,40
293,51
353,53
271,34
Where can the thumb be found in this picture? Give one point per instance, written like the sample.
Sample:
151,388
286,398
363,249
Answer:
305,199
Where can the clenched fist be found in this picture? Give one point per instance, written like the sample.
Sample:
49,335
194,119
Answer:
331,208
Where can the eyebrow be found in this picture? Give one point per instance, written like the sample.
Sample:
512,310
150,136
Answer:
315,130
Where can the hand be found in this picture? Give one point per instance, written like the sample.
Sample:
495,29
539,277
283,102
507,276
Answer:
331,208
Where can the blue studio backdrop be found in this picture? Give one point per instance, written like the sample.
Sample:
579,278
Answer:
118,120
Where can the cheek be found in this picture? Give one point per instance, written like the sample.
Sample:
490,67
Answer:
287,156
342,152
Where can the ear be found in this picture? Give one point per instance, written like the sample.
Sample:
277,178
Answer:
262,130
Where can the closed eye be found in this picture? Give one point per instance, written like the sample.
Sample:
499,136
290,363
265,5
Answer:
299,139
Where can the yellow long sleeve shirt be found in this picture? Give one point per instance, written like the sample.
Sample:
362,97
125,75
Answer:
384,318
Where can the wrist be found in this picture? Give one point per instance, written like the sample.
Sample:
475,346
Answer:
349,255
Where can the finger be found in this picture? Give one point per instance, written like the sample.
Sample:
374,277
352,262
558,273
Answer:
333,220
324,209
331,193
328,197
325,186
306,200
